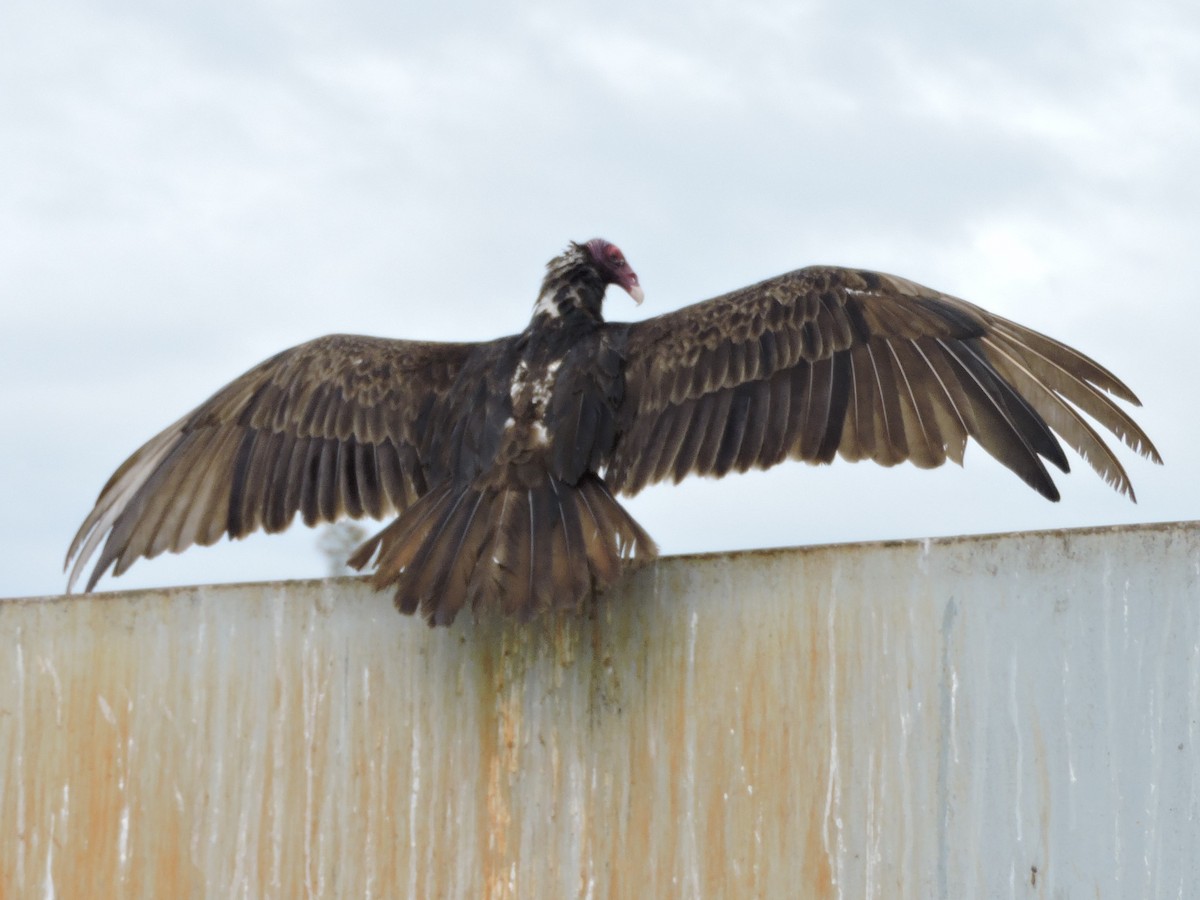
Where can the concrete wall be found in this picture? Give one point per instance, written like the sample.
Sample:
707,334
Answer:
978,717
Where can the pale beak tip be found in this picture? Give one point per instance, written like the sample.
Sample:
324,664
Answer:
637,294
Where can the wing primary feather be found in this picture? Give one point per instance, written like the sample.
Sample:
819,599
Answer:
1024,418
990,424
1080,391
1068,423
195,496
119,488
925,449
136,531
957,423
212,519
133,527
198,523
1063,357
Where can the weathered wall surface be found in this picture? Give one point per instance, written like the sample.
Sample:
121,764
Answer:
978,717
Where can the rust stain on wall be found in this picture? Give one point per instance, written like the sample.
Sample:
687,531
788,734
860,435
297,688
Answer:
888,720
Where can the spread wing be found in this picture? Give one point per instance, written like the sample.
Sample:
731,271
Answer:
332,427
826,361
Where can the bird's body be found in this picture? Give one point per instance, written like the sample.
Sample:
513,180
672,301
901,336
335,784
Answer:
502,458
518,518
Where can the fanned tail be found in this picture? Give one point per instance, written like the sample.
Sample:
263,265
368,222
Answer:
521,549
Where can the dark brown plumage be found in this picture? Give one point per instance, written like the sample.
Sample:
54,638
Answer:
502,458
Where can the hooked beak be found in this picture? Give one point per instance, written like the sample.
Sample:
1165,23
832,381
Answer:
628,280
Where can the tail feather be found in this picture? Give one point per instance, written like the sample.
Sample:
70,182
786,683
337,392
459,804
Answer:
400,543
520,549
493,578
551,584
436,570
568,556
513,557
604,536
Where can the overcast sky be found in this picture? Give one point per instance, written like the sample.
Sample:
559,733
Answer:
186,189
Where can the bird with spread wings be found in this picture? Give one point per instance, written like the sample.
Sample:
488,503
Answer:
500,460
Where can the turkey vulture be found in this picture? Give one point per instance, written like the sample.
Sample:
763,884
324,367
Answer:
502,458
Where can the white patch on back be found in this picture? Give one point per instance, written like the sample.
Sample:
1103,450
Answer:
544,386
546,306
518,381
530,400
